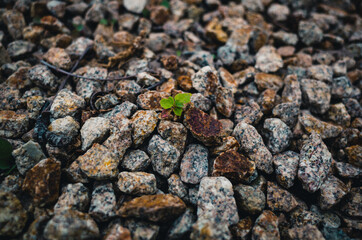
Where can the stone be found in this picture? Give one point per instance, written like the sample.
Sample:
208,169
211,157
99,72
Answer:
316,95
292,92
249,199
94,130
225,102
154,208
252,143
227,79
34,105
66,103
332,191
249,113
173,132
266,226
42,182
142,230
74,173
136,160
320,72
312,124
144,122
136,66
309,33
66,128
210,229
229,143
268,60
277,133
19,79
203,127
135,6
78,46
57,8
201,102
103,204
126,108
352,205
279,199
354,154
307,232
150,100
59,58
15,22
285,37
286,165
164,156
315,161
242,229
99,163
267,100
41,76
216,201
342,87
182,225
254,6
278,12
53,24
74,196
194,164
177,187
235,167
11,183
339,114
127,90
137,183
266,81
72,225
347,170
301,217
10,98
158,41
287,112
85,87
27,156
144,79
20,48
205,81
117,232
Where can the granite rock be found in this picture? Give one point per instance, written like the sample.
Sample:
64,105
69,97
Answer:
286,165
103,204
173,132
194,164
266,226
316,95
268,60
136,160
74,196
249,199
279,199
66,103
94,130
332,191
144,122
277,133
27,156
137,183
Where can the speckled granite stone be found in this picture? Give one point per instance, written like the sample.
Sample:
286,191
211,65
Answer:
103,204
78,46
27,156
225,102
201,102
41,76
279,199
137,183
177,187
59,58
74,196
12,124
205,81
287,112
268,60
181,227
316,95
265,81
292,92
352,205
94,130
286,165
174,132
66,103
144,122
347,170
117,232
126,108
332,191
249,113
307,232
250,199
136,160
150,100
141,230
266,227
207,228
277,133
194,164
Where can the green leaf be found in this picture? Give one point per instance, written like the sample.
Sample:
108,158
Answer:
167,103
177,111
178,53
36,20
178,104
183,98
103,21
113,21
146,13
165,3
5,154
79,27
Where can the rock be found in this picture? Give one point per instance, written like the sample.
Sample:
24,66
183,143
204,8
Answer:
41,76
66,128
347,170
309,33
126,108
205,81
136,66
235,167
10,98
154,208
320,72
85,87
66,103
174,132
203,127
118,232
254,6
242,229
266,226
15,23
249,113
225,102
332,191
20,48
72,225
182,225
252,143
177,187
312,124
201,102
13,217
27,156
287,112
146,80
227,79
307,232
77,48
57,8
268,60
135,6
11,183
286,165
279,199
42,182
352,205
277,133
127,90
74,196
292,92
210,229
316,94
342,87
99,163
158,41
75,174
249,199
301,217
278,12
142,230
266,81
286,38
229,143
94,130
137,183
194,164
314,164
150,100
144,122
103,204
216,201
354,154
338,114
164,156
267,100
59,58
136,160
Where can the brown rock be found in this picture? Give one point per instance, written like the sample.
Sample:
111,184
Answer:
185,82
354,154
150,100
13,124
279,199
159,15
59,58
268,81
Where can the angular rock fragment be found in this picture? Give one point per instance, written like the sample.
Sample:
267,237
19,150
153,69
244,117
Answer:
354,154
249,113
268,60
347,170
287,112
338,114
118,232
137,183
279,199
249,199
266,81
201,102
205,81
27,156
20,48
342,87
144,122
332,191
320,72
43,77
94,130
174,132
150,100
242,229
292,91
177,187
182,225
142,229
210,229
66,103
77,48
352,205
309,32
312,124
74,196
277,133
307,232
67,129
266,226
103,204
225,102
136,160
194,164
316,94
15,22
59,58
286,165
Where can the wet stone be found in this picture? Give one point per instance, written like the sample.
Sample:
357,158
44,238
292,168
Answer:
287,112
235,167
42,182
194,164
268,60
174,132
66,103
277,133
78,46
316,95
27,156
314,164
13,217
286,165
182,225
66,128
249,199
20,48
320,72
59,58
339,115
150,100
205,81
216,201
201,102
72,225
210,229
307,232
249,113
332,191
203,127
137,183
41,76
15,23
94,130
141,230
309,33
74,196
136,160
177,187
103,204
117,232
164,156
225,102
279,199
99,163
144,122
266,81
154,208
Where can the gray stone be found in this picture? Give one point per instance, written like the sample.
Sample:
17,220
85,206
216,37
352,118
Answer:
205,81
207,228
103,204
144,122
182,225
332,191
27,156
277,133
66,103
174,132
201,102
136,160
94,130
20,48
74,196
177,187
194,164
266,227
316,95
249,199
268,60
309,32
137,183
135,6
141,230
286,165
41,76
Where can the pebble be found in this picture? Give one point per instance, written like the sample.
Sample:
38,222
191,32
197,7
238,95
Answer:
20,48
227,79
59,58
266,226
210,229
309,33
144,122
242,229
174,132
27,156
332,191
201,102
41,76
72,225
137,183
141,230
279,199
278,12
117,232
292,91
277,133
103,204
15,23
177,187
339,114
135,6
99,163
164,156
347,170
64,127
136,160
146,80
352,205
154,208
42,182
266,81
268,60
216,201
126,108
158,41
287,112
127,90
315,161
74,196
267,100
341,87
301,217
66,103
77,48
285,37
320,72
182,225
94,130
85,88
194,164
286,166
316,95
249,199
74,174
249,113
150,100
205,81
225,102
10,98
307,232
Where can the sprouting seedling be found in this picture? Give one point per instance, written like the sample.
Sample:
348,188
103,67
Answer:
176,104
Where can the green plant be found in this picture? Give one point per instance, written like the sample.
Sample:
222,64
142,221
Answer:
176,104
5,154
